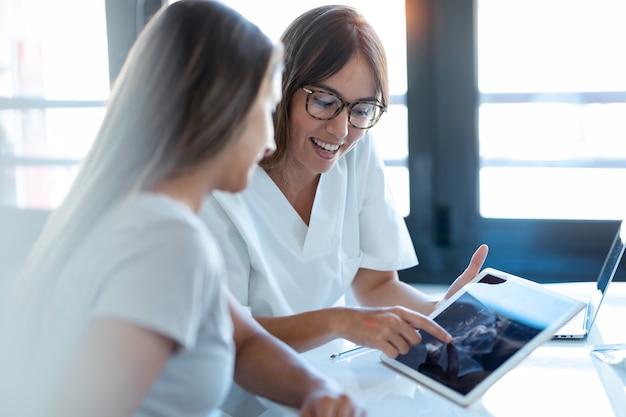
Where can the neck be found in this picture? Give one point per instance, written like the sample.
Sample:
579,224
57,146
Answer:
299,190
188,189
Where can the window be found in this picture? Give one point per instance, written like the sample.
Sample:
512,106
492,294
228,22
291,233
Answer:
53,83
552,101
514,135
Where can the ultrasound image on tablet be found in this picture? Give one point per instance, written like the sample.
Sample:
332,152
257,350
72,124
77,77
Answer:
495,321
483,339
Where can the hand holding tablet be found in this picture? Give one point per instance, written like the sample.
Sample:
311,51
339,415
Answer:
496,320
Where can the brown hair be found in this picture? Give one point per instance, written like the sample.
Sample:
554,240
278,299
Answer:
318,44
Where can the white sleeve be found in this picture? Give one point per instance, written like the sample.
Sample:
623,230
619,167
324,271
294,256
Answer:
385,240
162,282
233,247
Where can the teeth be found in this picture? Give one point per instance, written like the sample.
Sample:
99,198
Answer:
327,146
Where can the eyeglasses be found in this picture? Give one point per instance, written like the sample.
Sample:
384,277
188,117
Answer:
323,105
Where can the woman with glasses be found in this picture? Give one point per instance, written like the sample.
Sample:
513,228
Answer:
318,218
122,309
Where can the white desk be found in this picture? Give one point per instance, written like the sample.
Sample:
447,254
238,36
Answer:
559,378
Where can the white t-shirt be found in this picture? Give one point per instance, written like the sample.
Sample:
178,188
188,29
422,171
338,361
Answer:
152,263
278,266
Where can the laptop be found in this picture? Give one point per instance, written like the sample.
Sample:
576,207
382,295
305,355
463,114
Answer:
581,324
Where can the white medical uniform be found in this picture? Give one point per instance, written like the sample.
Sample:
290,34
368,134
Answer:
277,265
150,262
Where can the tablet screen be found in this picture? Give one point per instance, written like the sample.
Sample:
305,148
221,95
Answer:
490,322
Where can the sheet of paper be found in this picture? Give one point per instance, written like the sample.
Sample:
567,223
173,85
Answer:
610,361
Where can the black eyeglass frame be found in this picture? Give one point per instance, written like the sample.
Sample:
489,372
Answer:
344,103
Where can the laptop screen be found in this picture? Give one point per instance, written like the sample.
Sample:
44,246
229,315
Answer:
606,274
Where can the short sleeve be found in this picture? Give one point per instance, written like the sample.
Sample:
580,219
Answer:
162,283
385,240
232,244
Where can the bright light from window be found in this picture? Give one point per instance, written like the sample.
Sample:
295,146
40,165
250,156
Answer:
548,148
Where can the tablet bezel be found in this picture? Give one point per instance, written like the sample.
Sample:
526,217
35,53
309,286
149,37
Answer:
573,307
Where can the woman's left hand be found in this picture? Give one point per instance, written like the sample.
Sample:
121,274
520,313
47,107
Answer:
476,263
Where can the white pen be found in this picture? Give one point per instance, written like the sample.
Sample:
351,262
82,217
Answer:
346,352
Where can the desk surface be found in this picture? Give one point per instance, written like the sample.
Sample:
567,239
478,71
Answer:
559,378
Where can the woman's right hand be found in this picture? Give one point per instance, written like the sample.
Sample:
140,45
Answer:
330,401
392,330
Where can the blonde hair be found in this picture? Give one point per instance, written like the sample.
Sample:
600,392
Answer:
179,100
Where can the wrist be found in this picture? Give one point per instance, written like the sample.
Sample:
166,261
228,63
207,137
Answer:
339,321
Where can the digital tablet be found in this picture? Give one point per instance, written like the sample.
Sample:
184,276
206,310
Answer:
496,320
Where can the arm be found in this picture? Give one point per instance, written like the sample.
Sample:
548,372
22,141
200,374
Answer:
389,329
306,330
380,288
267,367
112,370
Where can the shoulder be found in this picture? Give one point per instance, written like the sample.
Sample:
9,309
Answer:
223,206
162,241
152,220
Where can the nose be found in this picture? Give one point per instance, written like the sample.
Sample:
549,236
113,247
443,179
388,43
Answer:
338,126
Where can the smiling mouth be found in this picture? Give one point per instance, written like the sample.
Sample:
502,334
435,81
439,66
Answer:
328,147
